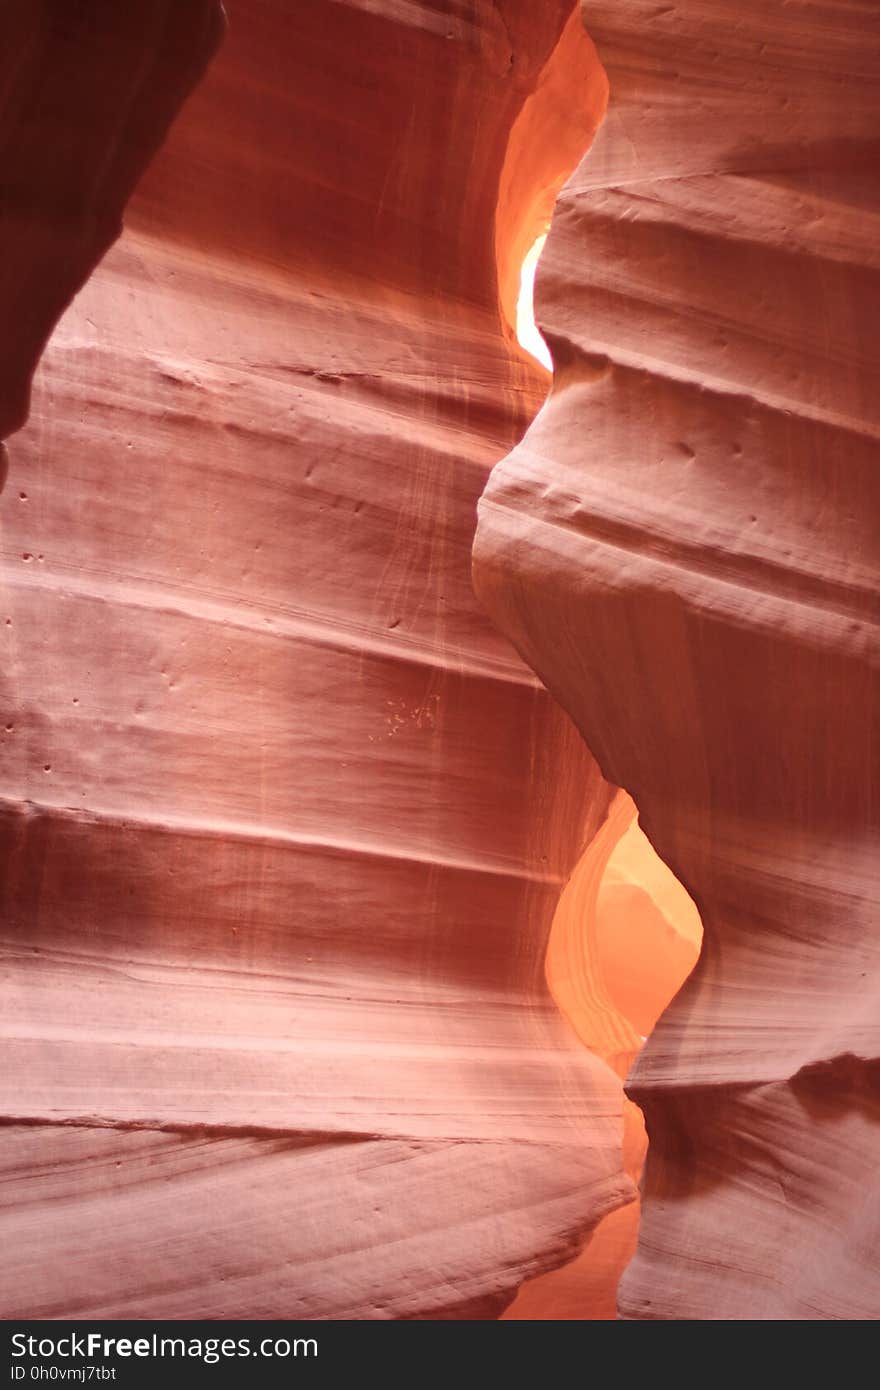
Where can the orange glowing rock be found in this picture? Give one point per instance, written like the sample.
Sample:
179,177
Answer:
625,936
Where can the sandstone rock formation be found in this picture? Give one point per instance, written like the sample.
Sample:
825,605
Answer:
684,547
327,945
285,819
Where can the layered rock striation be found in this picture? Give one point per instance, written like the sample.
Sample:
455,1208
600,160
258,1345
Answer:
684,547
326,941
285,819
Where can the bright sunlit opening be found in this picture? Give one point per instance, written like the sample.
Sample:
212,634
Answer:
526,328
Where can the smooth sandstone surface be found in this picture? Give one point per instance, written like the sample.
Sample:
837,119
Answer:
327,944
285,819
684,547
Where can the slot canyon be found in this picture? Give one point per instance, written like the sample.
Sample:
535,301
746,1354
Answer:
438,787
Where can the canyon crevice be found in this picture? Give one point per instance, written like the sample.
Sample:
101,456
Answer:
285,819
332,917
684,547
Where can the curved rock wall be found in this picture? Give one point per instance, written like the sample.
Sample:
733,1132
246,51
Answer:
285,818
684,547
285,821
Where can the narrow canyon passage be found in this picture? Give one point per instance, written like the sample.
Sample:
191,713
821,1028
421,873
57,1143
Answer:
333,627
286,818
684,548
624,939
625,936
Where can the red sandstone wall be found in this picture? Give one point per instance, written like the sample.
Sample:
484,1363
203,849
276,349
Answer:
685,548
285,819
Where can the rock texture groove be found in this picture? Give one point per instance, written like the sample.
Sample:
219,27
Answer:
329,934
284,818
684,547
